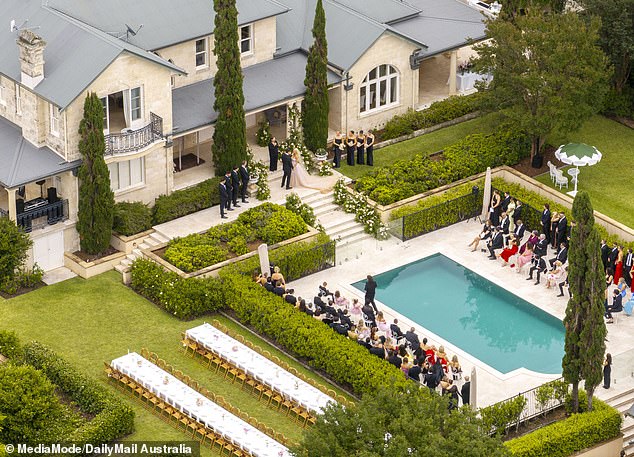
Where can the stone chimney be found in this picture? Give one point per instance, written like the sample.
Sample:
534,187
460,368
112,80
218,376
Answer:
31,49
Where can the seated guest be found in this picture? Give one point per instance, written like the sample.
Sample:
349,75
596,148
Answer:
365,342
352,333
416,370
442,356
485,234
396,331
555,275
309,309
505,224
289,297
323,290
344,318
277,276
496,242
378,350
508,252
615,307
369,312
394,359
541,248
609,276
328,319
562,255
262,278
456,369
430,352
533,239
405,366
339,300
524,258
355,309
412,338
540,268
319,303
269,285
363,330
338,327
519,231
562,284
389,345
279,289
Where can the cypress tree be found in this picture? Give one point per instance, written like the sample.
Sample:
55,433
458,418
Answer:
316,105
585,328
96,199
229,140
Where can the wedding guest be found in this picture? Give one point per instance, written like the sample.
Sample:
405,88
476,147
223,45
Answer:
235,184
554,220
562,255
370,292
555,276
340,301
495,209
244,177
355,309
540,268
337,146
605,252
519,231
465,391
361,148
351,145
456,369
229,186
485,234
609,277
369,148
607,370
510,211
628,264
561,233
615,307
508,252
518,213
496,242
524,258
533,239
545,221
504,204
274,154
224,198
618,265
277,276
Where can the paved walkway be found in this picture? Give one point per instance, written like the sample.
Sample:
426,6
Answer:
372,257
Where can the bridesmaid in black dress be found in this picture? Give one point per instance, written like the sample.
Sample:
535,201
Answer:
336,149
369,148
351,144
361,148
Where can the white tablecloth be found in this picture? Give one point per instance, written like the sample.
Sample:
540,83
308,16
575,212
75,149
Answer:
261,368
183,397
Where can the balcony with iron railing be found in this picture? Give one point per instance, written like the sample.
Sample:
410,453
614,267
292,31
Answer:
134,140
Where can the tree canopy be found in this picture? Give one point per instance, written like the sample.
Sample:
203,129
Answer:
229,139
316,104
397,423
549,75
96,199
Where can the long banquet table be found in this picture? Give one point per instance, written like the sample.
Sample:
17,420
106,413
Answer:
198,407
259,367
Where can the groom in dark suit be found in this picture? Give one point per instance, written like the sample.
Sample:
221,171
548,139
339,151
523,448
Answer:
287,167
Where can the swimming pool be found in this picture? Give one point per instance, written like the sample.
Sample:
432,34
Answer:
483,319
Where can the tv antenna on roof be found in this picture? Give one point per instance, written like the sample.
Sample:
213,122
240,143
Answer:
15,28
130,31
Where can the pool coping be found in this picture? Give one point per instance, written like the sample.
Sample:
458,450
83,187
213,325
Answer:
353,291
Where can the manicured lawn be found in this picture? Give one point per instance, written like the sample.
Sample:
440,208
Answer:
609,183
429,143
96,320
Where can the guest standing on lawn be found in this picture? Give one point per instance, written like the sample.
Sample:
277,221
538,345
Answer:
337,146
369,148
351,144
361,148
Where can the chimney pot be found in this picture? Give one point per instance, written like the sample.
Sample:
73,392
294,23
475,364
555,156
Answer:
31,52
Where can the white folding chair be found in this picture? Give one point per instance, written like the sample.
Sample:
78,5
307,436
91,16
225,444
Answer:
552,169
561,180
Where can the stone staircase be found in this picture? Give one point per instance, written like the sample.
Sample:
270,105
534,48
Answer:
154,239
622,403
338,225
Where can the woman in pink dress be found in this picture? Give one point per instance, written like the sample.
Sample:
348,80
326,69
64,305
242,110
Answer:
355,310
507,253
525,257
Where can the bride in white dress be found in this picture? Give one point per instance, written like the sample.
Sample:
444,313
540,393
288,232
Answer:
301,178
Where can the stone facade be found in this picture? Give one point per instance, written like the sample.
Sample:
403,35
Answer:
183,55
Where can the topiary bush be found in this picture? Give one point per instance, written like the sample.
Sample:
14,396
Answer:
440,111
186,201
469,156
131,218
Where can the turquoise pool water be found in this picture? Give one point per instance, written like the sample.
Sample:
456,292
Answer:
483,319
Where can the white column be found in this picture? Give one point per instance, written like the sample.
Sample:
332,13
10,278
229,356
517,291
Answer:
452,72
12,210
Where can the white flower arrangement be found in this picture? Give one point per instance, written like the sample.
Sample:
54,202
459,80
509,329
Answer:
364,212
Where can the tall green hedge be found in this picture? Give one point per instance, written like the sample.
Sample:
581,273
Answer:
469,156
186,201
439,112
571,435
131,218
343,359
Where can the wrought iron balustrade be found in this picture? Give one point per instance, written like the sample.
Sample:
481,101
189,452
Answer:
120,143
34,218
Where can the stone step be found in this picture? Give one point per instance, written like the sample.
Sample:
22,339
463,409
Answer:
126,262
145,245
150,242
275,175
159,237
334,219
316,197
137,252
121,268
346,231
326,209
628,393
356,238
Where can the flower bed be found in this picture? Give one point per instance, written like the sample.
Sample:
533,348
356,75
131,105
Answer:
365,212
267,223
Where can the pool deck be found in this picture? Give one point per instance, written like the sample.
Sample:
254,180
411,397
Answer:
373,257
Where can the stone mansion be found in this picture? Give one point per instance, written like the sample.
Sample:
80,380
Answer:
152,64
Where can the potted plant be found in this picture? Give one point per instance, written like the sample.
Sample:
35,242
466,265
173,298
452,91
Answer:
321,154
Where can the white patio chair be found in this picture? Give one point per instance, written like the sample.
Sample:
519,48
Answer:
561,180
552,169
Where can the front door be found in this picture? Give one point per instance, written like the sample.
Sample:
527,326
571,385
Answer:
48,250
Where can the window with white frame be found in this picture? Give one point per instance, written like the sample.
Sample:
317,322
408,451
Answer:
53,119
246,39
201,53
126,174
379,89
18,99
136,104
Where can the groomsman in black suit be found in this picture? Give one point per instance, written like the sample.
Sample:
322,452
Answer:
541,248
224,198
235,186
562,256
605,251
496,242
545,222
505,224
628,261
274,154
612,256
540,268
519,231
504,206
244,177
519,211
287,166
229,187
562,229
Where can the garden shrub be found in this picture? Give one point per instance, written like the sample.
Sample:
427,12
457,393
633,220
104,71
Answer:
571,435
619,104
131,218
10,345
186,201
185,298
343,359
471,155
23,278
500,416
268,223
439,112
14,245
294,204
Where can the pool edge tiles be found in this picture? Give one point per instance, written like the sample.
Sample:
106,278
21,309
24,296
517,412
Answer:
481,319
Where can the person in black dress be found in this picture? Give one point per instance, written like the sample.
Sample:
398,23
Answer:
274,154
351,144
361,148
607,370
369,148
337,145
495,209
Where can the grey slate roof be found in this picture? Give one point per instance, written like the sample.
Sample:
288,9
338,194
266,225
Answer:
23,162
443,25
165,22
75,53
265,83
383,11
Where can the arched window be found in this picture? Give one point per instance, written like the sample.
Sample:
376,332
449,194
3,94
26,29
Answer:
379,88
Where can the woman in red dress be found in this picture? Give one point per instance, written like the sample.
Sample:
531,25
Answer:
508,252
618,266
